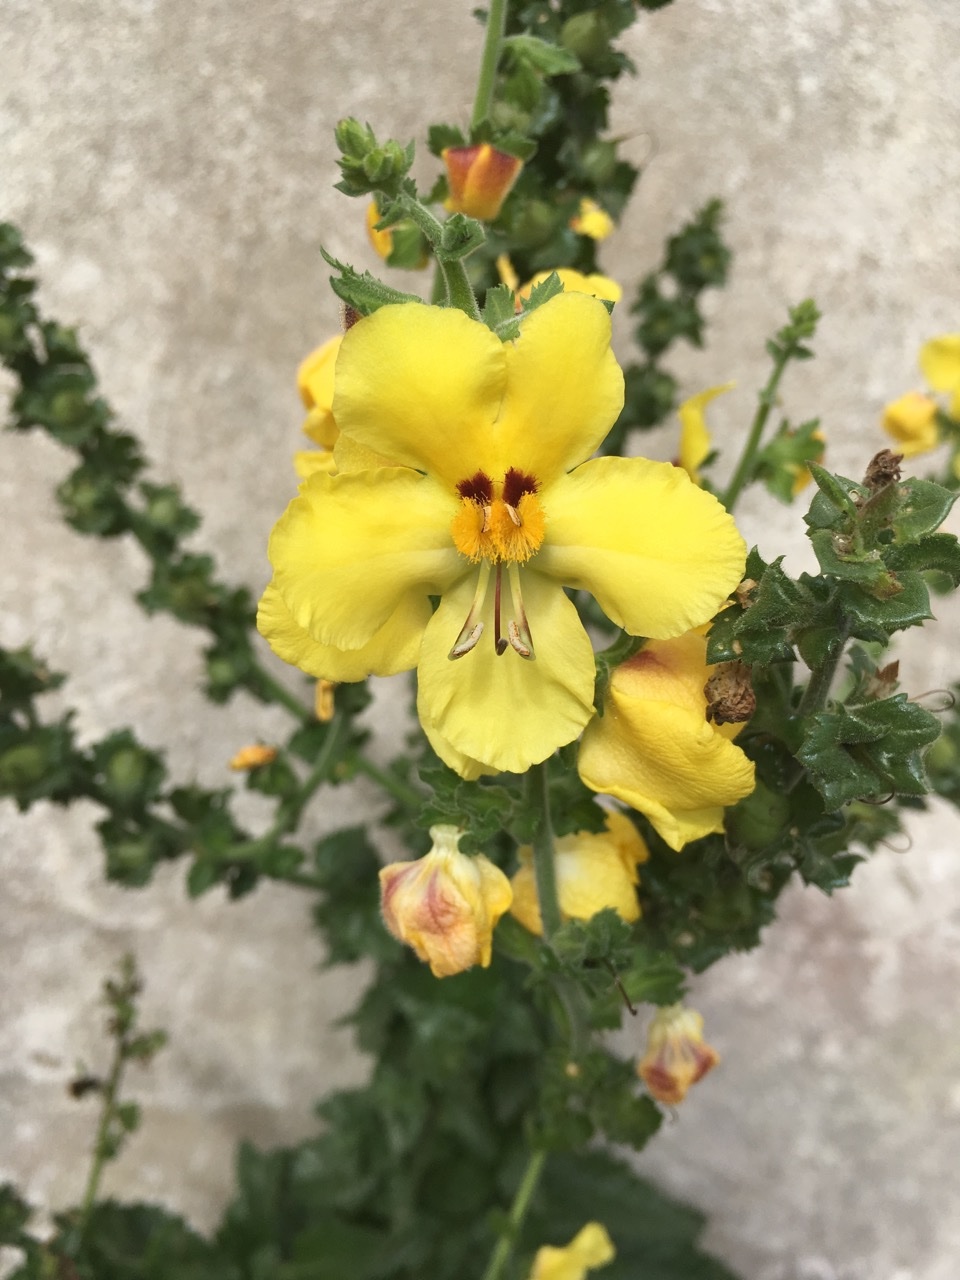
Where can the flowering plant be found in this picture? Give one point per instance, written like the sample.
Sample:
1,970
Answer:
628,730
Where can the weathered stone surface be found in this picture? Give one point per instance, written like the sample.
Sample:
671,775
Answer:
171,166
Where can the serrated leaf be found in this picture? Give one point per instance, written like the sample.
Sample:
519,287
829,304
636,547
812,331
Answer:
939,552
548,59
868,751
866,568
873,619
362,291
923,508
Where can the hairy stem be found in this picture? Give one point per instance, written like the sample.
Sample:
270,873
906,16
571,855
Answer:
493,39
744,472
544,856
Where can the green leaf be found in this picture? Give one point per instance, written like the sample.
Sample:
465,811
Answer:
939,552
548,59
441,136
923,508
869,751
460,237
876,619
362,291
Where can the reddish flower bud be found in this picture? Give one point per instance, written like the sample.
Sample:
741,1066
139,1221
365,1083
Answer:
677,1055
480,178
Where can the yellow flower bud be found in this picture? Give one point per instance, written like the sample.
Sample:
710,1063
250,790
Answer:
479,178
589,1249
655,749
940,362
382,241
593,221
253,757
677,1055
594,871
445,905
323,703
912,422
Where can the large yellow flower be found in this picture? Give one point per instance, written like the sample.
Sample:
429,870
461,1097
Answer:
655,749
487,502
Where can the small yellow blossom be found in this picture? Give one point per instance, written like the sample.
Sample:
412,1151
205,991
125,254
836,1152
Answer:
589,1249
695,439
677,1056
593,221
253,757
655,749
479,179
594,870
464,472
940,363
323,701
912,422
445,905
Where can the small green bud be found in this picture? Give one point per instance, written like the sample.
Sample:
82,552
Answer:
586,36
23,766
759,819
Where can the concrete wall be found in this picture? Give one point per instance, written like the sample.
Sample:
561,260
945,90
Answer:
171,165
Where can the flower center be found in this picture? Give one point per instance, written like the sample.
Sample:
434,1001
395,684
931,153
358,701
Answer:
502,522
497,525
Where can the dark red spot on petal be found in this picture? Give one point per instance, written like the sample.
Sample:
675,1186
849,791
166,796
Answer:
479,488
516,484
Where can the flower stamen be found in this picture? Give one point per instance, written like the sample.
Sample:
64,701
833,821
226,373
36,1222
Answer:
518,629
472,629
500,644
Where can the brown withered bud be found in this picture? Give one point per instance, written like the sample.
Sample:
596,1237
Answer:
884,469
348,316
729,694
883,682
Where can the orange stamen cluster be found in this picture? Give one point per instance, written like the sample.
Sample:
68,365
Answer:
498,523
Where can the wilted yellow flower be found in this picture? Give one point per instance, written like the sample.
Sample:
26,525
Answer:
594,870
589,1249
464,472
940,362
695,440
591,220
677,1056
912,422
253,757
654,748
445,905
479,179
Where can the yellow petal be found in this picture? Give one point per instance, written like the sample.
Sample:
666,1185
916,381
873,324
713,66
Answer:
940,362
659,554
422,386
590,1248
592,220
597,285
695,442
465,765
507,712
395,647
308,462
564,388
315,384
592,874
350,548
655,750
912,422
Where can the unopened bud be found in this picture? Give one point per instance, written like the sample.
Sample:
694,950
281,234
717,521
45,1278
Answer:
480,178
254,756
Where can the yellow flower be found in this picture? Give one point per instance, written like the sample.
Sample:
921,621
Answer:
655,749
594,871
593,221
253,757
589,1249
487,502
445,905
677,1056
598,286
912,422
479,179
695,440
940,362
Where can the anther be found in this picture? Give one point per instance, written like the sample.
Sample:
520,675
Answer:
466,642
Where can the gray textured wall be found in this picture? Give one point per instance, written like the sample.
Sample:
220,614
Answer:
171,164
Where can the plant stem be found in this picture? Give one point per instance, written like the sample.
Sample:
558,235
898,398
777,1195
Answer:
518,1211
743,474
818,688
459,290
493,39
276,692
544,857
100,1154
